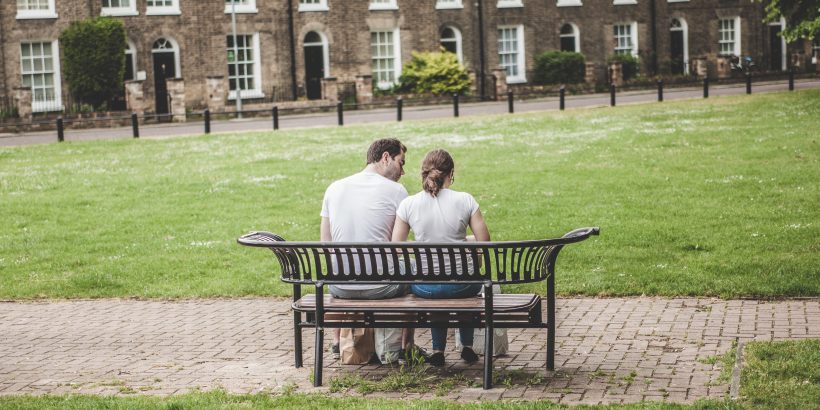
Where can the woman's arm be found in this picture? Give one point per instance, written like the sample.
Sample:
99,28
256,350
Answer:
400,230
477,225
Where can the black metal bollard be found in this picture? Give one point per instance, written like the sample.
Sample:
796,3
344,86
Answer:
705,87
660,90
455,105
60,131
399,107
510,104
612,94
135,125
340,112
791,79
561,98
206,115
748,83
275,114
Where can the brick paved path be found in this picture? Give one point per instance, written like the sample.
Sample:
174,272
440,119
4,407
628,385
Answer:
609,350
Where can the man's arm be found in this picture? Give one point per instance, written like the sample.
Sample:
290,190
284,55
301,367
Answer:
324,230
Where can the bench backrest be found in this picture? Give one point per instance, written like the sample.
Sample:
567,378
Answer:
419,262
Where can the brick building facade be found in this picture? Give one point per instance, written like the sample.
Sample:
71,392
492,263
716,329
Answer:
286,47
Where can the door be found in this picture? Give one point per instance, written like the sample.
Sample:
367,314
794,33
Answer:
776,55
164,67
314,71
676,52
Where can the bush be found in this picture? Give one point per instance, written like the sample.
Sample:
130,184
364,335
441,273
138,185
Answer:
434,72
559,67
629,64
94,59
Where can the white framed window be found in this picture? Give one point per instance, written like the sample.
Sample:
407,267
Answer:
119,8
815,48
313,5
624,2
40,70
503,4
383,5
570,38
36,9
569,3
511,53
729,36
130,61
242,6
318,39
448,4
162,8
169,45
451,41
680,25
385,53
244,70
626,38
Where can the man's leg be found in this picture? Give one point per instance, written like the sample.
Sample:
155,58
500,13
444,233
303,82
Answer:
382,292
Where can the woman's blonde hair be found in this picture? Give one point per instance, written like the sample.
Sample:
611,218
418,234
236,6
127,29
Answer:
437,165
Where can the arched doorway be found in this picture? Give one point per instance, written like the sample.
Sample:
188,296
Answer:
570,40
678,47
165,53
316,57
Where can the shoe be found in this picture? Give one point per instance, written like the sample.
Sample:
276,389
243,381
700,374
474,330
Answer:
334,350
468,355
436,359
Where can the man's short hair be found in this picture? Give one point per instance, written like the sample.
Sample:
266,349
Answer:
377,148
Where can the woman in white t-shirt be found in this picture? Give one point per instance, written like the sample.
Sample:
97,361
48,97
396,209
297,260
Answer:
439,214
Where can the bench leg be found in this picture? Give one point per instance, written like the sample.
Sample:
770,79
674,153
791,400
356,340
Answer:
297,338
488,358
551,348
317,360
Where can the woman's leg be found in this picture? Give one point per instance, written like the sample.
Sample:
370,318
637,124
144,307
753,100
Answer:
447,291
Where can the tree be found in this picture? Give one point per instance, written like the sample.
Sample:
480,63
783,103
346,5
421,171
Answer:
437,73
802,18
94,59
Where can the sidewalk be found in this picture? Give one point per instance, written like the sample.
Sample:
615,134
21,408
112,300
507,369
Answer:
329,119
609,350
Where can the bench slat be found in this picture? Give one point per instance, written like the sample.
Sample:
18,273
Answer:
501,303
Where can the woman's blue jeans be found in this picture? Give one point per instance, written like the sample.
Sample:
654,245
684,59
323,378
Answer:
447,292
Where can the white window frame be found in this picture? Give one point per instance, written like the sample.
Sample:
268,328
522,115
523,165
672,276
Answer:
633,36
736,46
132,51
57,103
383,5
576,33
172,10
815,48
256,91
457,40
51,13
677,1
318,5
175,49
508,4
242,6
784,51
325,50
684,27
130,10
624,2
520,60
569,3
396,59
449,4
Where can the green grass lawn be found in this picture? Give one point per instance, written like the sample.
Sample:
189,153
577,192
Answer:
703,197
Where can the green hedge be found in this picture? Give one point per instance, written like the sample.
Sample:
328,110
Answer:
629,64
434,72
559,67
94,59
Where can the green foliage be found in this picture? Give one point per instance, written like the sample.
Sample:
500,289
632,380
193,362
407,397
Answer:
434,72
559,67
802,18
94,59
629,64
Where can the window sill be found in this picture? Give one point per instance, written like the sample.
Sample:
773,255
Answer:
242,10
304,8
28,15
163,12
119,13
383,8
510,5
624,2
449,6
569,3
47,106
516,80
247,94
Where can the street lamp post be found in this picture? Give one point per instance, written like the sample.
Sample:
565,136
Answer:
236,61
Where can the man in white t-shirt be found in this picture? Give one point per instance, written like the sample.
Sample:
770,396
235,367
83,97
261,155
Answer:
362,208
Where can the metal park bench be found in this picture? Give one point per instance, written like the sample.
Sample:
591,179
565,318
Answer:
318,264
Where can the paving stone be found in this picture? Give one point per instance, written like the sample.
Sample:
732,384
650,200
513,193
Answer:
615,350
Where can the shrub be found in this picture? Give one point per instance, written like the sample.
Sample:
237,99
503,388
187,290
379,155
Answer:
434,72
629,64
559,67
94,59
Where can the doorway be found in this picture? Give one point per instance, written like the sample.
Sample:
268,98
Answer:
776,49
165,66
314,65
677,47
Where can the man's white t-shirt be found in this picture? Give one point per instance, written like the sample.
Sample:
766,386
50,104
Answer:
441,218
362,208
